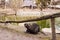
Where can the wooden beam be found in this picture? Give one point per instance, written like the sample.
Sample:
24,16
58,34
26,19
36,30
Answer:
37,19
53,28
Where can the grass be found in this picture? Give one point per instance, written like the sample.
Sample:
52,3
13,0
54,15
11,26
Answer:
11,18
2,18
20,18
43,23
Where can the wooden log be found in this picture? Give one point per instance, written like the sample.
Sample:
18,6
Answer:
53,28
36,19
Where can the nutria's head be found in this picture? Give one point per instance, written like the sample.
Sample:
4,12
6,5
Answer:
27,25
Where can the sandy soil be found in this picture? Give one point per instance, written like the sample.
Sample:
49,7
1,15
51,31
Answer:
13,32
11,35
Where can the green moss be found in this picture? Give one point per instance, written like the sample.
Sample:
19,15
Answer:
11,18
43,24
2,18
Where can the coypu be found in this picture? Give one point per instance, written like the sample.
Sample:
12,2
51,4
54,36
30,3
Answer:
32,28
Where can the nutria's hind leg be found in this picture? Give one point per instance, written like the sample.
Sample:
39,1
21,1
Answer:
27,31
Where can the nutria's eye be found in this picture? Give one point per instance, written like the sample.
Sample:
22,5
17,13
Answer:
26,25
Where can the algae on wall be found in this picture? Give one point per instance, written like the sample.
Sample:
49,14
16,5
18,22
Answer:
43,24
